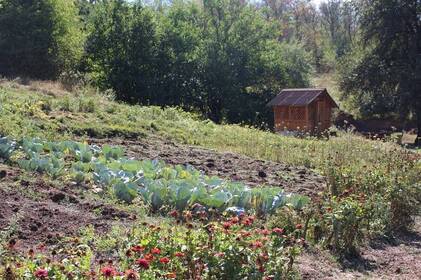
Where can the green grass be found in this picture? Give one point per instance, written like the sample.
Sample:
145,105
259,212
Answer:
385,175
26,112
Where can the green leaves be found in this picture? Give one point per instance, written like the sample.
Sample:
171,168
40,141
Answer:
157,183
6,147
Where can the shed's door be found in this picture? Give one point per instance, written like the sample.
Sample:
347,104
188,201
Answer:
319,114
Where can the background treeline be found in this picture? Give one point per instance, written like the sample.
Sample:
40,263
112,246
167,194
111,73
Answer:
222,58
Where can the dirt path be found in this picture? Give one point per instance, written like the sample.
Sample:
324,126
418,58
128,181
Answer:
381,259
225,165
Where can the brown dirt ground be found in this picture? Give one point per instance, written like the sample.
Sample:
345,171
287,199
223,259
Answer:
225,165
36,212
379,259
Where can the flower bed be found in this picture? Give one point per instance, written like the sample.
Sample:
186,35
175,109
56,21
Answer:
232,248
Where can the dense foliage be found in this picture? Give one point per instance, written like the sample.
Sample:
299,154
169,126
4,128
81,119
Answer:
382,75
39,39
222,59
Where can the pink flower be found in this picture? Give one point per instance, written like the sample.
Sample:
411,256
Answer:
41,273
234,220
108,271
264,232
226,225
256,244
278,231
156,251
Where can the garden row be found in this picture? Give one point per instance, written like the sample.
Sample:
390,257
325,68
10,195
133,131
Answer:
156,183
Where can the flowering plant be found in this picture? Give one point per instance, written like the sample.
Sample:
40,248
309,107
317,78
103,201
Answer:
234,247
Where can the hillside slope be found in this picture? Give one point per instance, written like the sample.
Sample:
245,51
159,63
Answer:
40,211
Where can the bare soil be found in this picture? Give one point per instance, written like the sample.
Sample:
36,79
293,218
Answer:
35,212
398,258
230,166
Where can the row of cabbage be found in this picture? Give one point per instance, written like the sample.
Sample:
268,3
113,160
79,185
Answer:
155,182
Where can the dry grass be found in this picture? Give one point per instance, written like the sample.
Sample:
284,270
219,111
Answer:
327,80
52,88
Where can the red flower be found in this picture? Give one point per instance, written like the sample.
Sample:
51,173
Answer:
149,257
299,226
174,214
131,274
144,263
248,221
41,273
137,248
156,251
171,275
257,244
234,220
226,225
108,271
278,231
164,260
179,254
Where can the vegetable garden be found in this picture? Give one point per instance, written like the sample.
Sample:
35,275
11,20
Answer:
157,184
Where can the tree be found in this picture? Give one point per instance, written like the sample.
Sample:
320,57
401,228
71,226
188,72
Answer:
383,75
221,58
39,38
122,50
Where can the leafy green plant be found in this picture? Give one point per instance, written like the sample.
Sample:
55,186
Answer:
157,183
6,147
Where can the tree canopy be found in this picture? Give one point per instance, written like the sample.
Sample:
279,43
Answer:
39,39
222,58
382,74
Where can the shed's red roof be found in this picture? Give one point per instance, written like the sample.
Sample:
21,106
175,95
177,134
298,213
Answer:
297,97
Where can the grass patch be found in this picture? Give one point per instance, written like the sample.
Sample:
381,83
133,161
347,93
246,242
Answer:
374,186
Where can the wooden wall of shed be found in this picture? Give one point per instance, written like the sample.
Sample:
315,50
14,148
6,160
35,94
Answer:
304,118
291,118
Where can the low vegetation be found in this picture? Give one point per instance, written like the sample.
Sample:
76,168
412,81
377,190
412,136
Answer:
180,248
157,184
373,186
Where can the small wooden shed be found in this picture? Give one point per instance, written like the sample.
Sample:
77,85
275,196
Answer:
303,109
